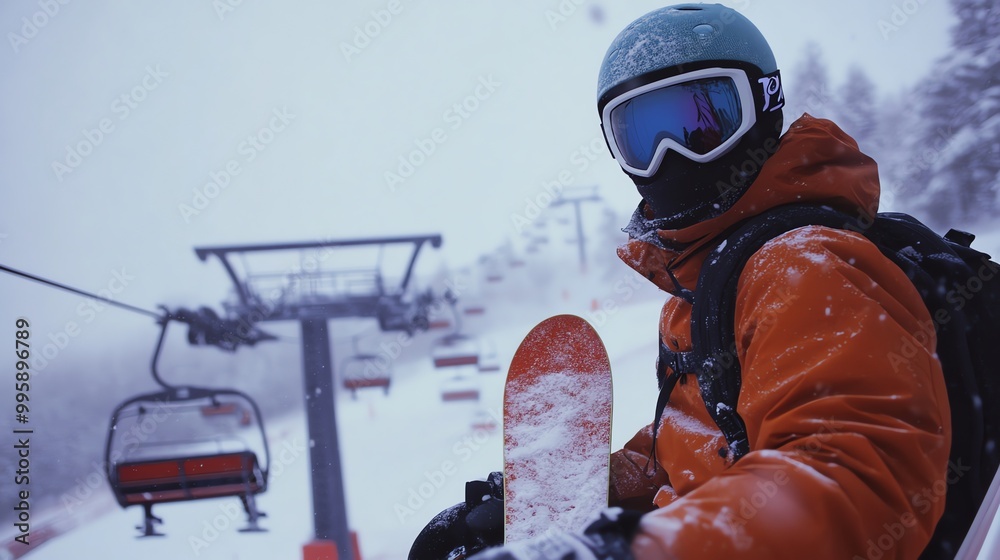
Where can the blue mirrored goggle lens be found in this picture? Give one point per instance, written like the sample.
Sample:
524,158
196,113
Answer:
699,115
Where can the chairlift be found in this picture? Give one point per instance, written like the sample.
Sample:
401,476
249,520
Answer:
455,350
394,314
438,324
489,360
474,310
439,321
186,443
483,421
362,371
460,388
492,273
473,307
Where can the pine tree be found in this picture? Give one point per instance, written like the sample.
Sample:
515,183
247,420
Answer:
896,148
856,113
958,171
807,88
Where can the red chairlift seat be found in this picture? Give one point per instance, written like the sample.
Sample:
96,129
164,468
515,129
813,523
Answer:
460,389
438,324
188,478
462,395
489,359
483,421
475,310
164,465
455,350
361,372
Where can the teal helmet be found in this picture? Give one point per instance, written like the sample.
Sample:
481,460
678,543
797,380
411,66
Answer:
690,102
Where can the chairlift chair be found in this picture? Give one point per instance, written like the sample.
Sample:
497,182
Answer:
438,323
474,310
493,273
484,421
472,307
460,388
436,319
489,359
361,372
394,314
455,350
186,443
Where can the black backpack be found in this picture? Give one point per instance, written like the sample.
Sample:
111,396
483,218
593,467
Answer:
957,283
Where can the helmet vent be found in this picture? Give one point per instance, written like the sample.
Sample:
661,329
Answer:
704,29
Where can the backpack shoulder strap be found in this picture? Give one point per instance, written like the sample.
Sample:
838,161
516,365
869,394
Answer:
713,317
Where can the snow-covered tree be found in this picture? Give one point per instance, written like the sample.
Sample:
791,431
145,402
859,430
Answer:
959,139
807,87
856,113
894,146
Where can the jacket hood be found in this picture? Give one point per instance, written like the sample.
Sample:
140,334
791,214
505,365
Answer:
815,162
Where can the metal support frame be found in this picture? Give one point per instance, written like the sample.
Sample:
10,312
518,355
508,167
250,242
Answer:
590,196
222,252
329,503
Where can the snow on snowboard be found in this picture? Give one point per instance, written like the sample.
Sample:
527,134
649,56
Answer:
557,429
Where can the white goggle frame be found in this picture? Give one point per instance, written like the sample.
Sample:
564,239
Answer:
747,109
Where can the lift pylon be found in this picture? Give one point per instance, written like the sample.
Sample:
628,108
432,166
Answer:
325,284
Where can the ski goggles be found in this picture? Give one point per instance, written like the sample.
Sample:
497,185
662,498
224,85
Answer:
699,114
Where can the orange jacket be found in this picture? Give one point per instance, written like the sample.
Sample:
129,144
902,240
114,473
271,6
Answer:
844,400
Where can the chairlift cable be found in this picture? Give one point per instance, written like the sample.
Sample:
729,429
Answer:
78,291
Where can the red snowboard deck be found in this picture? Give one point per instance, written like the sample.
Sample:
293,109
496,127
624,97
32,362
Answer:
557,429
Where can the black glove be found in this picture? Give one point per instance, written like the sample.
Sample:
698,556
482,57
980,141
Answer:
466,528
607,538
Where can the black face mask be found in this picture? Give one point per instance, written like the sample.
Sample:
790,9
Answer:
684,192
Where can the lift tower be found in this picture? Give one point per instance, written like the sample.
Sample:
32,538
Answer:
313,292
577,196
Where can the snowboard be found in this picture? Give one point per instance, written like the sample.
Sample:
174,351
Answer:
557,429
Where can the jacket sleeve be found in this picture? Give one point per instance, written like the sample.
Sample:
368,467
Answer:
846,411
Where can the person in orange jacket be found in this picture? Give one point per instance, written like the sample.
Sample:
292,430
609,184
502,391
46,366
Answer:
848,443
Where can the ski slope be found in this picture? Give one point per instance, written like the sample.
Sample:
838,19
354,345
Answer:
406,456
